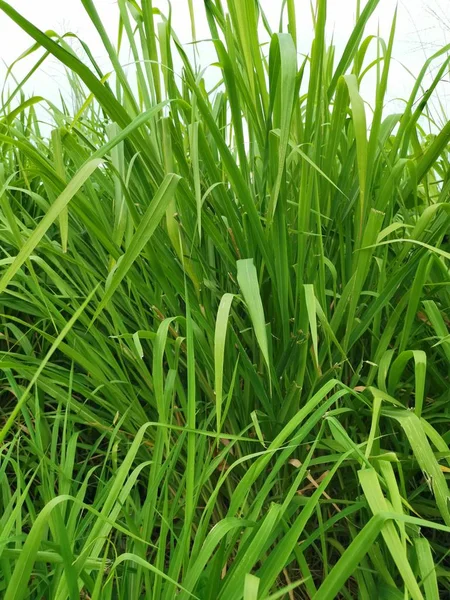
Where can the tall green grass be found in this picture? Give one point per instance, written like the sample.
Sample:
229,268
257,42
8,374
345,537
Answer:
224,314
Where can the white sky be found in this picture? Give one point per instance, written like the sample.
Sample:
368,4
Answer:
423,26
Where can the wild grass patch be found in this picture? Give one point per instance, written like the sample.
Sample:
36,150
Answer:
224,320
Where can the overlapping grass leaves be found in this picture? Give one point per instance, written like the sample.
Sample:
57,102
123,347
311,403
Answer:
248,398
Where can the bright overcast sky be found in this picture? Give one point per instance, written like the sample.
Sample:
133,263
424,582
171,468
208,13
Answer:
423,27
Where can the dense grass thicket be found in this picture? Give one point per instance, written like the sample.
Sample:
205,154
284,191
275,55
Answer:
224,318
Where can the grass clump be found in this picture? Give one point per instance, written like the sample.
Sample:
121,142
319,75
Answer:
224,321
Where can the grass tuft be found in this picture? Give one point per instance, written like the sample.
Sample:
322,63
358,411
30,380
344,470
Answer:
224,318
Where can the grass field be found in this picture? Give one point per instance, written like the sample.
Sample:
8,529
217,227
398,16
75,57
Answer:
224,319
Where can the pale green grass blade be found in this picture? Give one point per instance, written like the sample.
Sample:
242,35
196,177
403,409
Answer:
60,170
311,308
251,587
248,282
360,127
282,50
427,568
420,368
424,455
219,353
439,325
377,502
